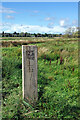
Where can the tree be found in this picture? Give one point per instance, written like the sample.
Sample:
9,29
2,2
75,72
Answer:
3,34
70,31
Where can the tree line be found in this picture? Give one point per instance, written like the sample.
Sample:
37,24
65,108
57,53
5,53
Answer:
70,33
22,34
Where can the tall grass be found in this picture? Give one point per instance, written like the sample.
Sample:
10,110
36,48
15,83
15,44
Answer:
58,94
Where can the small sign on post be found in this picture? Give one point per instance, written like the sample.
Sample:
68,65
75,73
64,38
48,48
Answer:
29,73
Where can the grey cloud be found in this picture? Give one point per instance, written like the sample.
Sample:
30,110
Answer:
6,10
9,17
50,25
49,18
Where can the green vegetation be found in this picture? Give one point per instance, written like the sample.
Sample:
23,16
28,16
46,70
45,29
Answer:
58,88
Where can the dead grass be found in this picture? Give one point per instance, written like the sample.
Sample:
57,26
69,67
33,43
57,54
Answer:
17,43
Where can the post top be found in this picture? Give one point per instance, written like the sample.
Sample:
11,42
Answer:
29,45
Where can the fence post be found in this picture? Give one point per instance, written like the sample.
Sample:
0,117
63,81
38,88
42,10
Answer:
29,73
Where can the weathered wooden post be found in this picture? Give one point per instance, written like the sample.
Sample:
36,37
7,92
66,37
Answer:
29,73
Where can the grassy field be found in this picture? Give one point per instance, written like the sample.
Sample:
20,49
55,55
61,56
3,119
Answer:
58,84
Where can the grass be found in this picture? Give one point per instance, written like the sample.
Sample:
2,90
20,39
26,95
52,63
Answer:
58,88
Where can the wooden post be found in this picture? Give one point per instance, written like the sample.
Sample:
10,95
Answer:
29,73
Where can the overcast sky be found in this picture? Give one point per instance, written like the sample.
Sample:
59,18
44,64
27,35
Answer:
38,17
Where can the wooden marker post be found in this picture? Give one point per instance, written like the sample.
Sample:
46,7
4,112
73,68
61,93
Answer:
29,73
